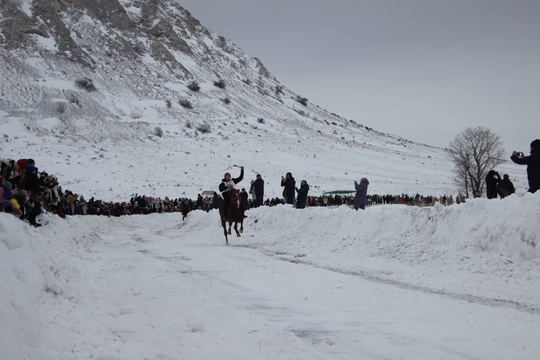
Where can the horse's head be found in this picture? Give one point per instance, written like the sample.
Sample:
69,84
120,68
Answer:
234,194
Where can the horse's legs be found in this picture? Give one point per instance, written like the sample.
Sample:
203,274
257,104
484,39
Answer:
224,231
230,226
236,229
242,226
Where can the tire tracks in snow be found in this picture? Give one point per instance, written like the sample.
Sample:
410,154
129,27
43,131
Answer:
480,300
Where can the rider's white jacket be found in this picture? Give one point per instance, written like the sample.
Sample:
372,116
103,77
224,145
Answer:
229,183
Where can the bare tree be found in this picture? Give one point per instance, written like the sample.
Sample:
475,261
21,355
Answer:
475,152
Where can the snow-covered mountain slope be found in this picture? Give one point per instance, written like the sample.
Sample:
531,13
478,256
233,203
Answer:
104,95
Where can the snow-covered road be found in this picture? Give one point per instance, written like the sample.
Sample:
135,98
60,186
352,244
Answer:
309,284
153,291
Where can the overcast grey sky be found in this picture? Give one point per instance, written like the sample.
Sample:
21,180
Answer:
421,69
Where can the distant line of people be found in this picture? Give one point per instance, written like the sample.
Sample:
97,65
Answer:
26,193
299,197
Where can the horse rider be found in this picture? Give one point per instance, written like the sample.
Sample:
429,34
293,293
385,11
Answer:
228,183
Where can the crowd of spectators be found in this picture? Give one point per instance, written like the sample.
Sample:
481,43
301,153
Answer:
26,193
403,199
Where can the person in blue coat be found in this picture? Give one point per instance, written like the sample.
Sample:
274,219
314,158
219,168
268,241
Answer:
360,200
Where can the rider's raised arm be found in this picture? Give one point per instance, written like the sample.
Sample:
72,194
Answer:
238,179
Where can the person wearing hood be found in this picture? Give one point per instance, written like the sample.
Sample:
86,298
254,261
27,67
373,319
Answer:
360,199
226,183
301,200
289,185
258,188
492,179
244,200
533,164
506,187
31,180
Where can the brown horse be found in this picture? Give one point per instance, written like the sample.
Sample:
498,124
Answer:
234,214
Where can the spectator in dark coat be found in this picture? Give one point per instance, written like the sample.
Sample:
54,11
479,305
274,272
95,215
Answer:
492,179
6,168
215,200
533,164
244,200
302,195
31,180
360,200
506,187
289,185
258,185
3,202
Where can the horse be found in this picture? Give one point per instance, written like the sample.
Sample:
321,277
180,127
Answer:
234,214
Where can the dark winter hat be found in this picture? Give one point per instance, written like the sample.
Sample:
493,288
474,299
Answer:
535,144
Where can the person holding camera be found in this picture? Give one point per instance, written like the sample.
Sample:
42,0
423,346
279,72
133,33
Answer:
360,198
492,180
533,164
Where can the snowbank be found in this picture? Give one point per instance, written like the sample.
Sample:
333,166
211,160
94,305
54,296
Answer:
38,267
484,248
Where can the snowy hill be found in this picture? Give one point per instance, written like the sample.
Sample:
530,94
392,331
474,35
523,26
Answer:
99,94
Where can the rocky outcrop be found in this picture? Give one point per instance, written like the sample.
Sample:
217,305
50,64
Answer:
139,56
163,30
16,25
160,53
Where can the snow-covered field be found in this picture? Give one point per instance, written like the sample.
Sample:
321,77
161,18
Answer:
391,282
